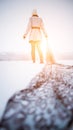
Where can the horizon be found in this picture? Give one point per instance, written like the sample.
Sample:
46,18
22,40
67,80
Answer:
27,56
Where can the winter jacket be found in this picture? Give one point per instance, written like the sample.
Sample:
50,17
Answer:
35,26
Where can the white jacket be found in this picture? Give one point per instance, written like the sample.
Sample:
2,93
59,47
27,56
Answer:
35,26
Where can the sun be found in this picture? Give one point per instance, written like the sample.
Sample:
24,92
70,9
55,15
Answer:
46,45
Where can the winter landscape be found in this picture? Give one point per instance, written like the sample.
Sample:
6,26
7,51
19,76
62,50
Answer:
36,96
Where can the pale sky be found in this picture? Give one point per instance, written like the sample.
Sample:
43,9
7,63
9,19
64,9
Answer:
56,14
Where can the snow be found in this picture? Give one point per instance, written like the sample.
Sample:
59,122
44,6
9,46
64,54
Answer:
15,76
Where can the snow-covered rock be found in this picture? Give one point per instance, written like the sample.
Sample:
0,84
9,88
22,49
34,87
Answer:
46,104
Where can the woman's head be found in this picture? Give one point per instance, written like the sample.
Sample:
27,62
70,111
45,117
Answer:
34,12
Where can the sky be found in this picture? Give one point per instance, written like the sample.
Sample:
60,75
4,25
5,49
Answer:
57,16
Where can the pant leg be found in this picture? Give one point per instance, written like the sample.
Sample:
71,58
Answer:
33,51
39,51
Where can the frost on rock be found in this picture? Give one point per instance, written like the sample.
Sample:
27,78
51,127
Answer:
47,103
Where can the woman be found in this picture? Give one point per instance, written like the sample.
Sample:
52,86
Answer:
35,26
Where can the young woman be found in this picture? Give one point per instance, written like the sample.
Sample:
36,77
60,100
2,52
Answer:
34,27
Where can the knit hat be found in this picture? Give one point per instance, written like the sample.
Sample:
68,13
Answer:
34,12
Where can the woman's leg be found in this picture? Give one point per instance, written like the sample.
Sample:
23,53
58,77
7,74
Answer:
39,52
33,51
